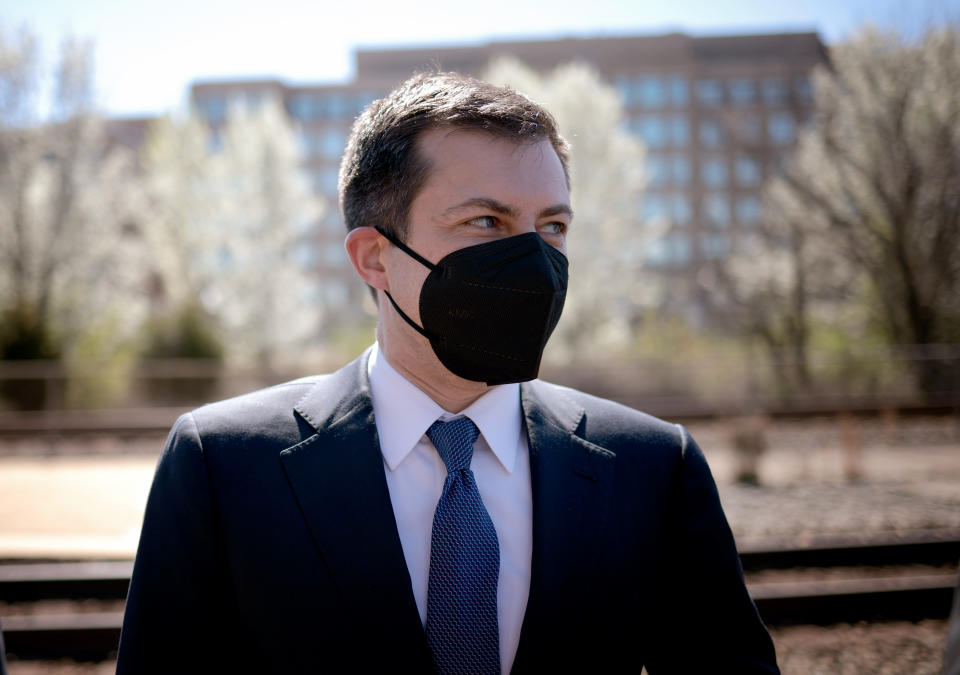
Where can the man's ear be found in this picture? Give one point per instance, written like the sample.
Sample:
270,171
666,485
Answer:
365,246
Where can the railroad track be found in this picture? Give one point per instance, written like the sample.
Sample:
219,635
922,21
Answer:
880,582
156,421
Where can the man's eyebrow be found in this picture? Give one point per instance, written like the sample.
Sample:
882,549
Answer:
485,203
555,210
505,209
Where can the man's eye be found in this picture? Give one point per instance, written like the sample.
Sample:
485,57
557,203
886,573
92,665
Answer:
483,221
555,227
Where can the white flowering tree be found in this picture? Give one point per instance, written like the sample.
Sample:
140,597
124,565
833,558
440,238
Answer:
230,212
69,255
607,241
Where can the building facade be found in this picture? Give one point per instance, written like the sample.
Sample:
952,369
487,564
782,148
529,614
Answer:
718,115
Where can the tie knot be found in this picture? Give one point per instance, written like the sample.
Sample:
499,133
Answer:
454,441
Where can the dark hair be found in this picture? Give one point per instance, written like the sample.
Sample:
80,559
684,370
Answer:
382,172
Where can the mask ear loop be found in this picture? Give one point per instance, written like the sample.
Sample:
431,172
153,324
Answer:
409,251
407,318
420,259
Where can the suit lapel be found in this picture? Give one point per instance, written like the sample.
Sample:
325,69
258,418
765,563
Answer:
570,479
338,479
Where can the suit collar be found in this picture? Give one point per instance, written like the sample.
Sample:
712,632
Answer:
338,480
404,412
339,470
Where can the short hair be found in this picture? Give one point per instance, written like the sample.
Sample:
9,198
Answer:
381,172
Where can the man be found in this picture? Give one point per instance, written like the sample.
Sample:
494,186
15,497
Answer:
419,510
951,653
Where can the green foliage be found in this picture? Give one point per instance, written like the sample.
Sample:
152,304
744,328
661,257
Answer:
349,339
187,332
847,361
25,335
99,365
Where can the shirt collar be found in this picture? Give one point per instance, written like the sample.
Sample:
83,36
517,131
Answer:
403,413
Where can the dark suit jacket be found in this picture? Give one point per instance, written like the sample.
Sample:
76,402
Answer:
269,545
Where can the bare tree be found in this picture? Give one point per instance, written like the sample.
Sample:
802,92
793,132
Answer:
868,211
67,255
785,280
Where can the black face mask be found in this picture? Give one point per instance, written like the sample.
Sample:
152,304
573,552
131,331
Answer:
489,309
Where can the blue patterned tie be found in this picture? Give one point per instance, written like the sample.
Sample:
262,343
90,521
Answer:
464,563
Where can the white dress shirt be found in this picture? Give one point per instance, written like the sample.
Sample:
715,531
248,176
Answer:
415,477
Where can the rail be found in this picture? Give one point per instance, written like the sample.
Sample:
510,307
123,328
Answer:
792,600
157,421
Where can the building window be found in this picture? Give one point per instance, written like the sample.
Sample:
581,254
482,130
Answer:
653,91
671,249
775,91
624,86
649,90
307,140
300,107
679,90
250,100
659,132
748,171
213,109
749,128
713,172
802,88
742,91
659,170
332,143
711,134
337,106
304,107
651,130
681,170
671,208
749,210
681,210
331,176
357,103
681,130
717,209
667,170
322,106
365,98
710,92
324,181
655,208
715,246
782,128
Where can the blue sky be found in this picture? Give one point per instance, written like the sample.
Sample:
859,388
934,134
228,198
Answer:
147,53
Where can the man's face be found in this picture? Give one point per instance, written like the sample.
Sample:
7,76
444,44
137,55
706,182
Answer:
480,188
